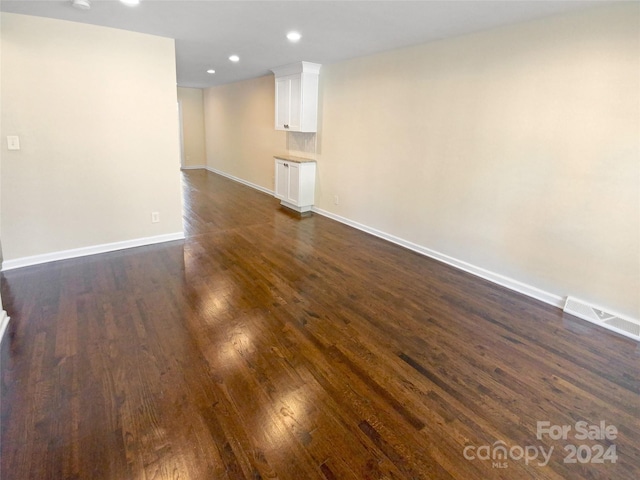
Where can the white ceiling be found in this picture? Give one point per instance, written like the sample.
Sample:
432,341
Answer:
208,31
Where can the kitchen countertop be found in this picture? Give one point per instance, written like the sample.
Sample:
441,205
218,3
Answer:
291,158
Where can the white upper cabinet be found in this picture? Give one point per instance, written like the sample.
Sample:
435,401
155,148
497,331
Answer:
297,97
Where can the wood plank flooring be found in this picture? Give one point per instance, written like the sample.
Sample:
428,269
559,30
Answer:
270,346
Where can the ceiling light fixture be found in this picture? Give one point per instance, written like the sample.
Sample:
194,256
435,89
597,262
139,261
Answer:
81,4
294,36
211,71
130,3
234,58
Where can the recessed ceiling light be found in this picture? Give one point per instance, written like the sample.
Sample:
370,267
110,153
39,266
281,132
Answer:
294,36
234,58
81,4
130,3
211,71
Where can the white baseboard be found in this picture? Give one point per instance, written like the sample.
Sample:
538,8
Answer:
549,298
84,251
239,180
193,167
510,283
515,285
4,322
305,209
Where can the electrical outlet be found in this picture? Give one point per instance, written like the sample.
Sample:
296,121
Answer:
13,142
336,200
155,217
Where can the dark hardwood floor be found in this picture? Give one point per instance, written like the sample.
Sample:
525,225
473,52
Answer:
272,346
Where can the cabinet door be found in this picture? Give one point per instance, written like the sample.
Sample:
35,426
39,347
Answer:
282,102
289,103
294,183
282,180
295,102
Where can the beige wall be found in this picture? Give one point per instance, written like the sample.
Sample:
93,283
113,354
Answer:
240,132
192,104
515,150
96,112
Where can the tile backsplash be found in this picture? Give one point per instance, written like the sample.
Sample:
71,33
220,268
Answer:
301,144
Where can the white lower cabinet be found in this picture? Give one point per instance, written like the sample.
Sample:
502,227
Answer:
295,183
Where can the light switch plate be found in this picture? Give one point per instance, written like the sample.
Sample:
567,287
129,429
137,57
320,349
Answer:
13,142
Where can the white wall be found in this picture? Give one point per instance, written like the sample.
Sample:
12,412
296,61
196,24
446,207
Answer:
240,130
191,100
514,150
96,112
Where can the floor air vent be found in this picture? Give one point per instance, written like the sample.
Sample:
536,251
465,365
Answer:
624,326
